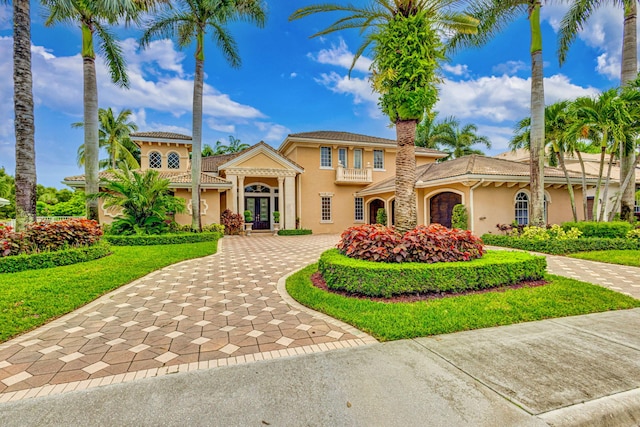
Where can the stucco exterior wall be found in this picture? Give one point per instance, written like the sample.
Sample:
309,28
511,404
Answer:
164,149
209,206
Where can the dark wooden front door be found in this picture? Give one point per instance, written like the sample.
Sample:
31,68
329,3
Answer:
259,207
374,206
441,207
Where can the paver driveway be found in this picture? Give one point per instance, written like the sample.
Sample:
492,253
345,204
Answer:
213,311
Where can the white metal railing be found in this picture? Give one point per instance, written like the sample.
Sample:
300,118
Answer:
354,175
12,222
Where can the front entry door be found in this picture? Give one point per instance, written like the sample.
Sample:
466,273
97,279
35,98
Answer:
259,207
441,207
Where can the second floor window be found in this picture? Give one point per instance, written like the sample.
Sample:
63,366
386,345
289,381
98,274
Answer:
378,159
325,157
342,157
155,160
357,158
173,161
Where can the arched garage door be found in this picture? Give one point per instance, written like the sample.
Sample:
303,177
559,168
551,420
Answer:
441,206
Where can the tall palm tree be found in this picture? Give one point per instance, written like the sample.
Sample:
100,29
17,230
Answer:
556,119
572,23
235,146
493,16
458,140
25,178
405,40
93,18
113,134
190,21
431,131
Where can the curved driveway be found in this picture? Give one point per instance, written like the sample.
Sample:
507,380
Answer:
218,310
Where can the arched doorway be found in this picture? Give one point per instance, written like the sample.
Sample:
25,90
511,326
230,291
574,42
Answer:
441,207
374,205
393,212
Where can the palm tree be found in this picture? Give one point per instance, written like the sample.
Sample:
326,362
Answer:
458,141
405,41
113,135
493,16
93,18
188,22
572,23
556,119
23,105
430,131
235,146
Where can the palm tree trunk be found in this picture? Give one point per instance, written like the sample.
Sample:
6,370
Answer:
623,186
572,196
91,147
603,207
406,209
603,151
196,142
537,120
585,200
629,73
25,180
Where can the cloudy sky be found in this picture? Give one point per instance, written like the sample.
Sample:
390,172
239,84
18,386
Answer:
288,83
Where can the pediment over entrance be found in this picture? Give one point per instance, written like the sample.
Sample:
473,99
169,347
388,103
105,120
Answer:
261,157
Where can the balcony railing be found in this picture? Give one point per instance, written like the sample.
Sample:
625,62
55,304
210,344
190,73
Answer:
354,176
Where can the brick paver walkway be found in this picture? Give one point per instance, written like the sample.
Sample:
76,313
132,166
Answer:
214,311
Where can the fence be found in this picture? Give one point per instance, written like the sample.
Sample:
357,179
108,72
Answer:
12,222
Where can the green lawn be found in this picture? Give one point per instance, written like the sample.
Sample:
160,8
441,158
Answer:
631,258
31,298
392,321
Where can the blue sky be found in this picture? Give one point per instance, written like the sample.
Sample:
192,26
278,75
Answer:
289,83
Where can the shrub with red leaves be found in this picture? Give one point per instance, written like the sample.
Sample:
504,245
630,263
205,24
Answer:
232,222
372,243
52,236
436,243
428,244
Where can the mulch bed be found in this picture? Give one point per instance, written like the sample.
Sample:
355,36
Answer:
318,282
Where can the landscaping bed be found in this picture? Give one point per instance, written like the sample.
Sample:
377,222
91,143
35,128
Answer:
562,247
391,321
16,263
378,279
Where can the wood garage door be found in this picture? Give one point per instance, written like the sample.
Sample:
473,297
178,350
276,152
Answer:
441,207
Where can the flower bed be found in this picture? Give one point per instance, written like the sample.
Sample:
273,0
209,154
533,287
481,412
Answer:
494,269
16,263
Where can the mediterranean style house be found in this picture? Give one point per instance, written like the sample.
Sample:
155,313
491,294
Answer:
327,181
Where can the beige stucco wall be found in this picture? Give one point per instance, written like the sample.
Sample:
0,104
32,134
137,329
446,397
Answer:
164,149
209,206
260,160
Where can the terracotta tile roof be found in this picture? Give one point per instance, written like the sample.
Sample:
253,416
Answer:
164,135
354,137
472,166
173,177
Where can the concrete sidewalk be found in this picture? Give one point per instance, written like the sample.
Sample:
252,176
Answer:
582,370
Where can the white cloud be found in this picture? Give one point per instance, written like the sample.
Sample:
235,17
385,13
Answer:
139,117
498,135
359,88
272,132
163,127
456,70
293,75
510,67
221,127
341,56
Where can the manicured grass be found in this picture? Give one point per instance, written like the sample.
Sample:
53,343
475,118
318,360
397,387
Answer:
31,298
631,258
392,321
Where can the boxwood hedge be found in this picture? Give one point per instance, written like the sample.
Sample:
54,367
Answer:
561,247
298,232
494,269
13,264
162,239
608,230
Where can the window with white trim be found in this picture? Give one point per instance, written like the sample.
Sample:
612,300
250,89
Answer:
173,161
358,209
522,208
325,157
155,160
342,157
325,209
378,159
357,158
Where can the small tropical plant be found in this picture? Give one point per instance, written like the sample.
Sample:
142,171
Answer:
232,222
248,216
276,217
145,200
460,217
381,217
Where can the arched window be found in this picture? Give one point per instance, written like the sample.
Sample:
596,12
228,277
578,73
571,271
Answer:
173,161
155,160
522,208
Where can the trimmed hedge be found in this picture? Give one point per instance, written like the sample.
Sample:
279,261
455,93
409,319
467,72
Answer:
607,230
162,239
297,232
14,264
494,269
561,247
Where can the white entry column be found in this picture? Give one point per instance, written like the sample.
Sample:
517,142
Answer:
281,199
241,194
233,202
289,203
